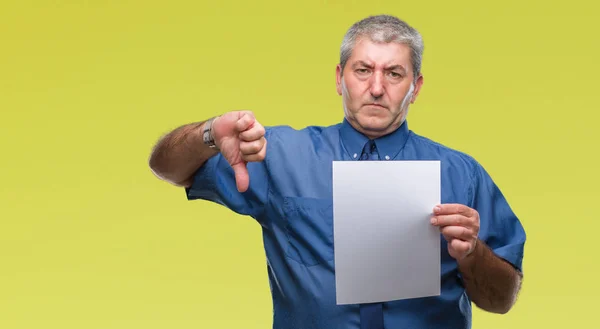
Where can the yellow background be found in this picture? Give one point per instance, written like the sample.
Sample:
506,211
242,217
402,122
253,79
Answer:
89,238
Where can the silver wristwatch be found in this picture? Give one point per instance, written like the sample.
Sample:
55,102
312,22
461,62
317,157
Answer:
207,135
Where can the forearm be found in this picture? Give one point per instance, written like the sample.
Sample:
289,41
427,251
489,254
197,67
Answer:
179,154
491,282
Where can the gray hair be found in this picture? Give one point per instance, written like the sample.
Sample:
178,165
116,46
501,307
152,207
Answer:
384,28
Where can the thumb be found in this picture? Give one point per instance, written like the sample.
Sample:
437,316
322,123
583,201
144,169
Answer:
241,176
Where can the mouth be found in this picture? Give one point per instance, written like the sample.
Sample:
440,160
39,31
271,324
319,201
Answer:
376,105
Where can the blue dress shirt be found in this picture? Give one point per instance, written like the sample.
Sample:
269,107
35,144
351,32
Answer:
290,196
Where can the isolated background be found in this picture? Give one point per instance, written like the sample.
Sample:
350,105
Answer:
89,238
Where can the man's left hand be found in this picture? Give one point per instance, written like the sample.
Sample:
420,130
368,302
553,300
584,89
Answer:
459,225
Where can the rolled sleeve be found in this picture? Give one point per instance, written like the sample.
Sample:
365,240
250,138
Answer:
500,228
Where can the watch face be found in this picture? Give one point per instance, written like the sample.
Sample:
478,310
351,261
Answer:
206,138
206,135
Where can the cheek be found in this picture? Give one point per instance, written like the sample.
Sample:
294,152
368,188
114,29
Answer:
402,99
356,92
349,93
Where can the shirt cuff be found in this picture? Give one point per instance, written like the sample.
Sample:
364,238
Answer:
513,254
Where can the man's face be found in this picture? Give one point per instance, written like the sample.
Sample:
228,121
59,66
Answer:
377,86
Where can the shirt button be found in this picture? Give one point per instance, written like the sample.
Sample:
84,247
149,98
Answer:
387,157
355,155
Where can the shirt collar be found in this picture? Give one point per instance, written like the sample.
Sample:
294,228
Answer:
387,146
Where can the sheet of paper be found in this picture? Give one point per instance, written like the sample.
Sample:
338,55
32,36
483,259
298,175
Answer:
385,247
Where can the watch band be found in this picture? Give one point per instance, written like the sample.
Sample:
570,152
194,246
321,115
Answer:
207,135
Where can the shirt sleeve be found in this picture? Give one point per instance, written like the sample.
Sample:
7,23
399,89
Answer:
215,182
500,228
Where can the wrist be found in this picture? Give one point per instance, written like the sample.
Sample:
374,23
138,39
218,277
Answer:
208,134
469,260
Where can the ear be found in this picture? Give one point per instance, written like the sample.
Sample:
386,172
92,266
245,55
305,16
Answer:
338,79
418,85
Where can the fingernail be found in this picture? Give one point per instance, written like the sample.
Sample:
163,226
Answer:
433,220
437,209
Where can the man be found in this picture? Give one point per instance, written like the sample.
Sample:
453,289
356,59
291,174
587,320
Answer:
282,177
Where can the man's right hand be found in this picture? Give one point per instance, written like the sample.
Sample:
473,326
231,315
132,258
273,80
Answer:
241,139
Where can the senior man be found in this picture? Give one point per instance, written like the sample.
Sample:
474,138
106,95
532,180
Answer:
282,177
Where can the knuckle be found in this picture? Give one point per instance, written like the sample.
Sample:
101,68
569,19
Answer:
456,244
466,232
256,134
255,146
457,220
246,148
244,137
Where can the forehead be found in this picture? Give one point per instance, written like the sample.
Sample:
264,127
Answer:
380,53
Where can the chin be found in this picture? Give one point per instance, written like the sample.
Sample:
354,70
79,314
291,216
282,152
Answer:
374,123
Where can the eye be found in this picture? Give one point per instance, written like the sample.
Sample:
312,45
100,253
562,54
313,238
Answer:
362,71
395,75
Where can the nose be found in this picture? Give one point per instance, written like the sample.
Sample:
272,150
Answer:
376,85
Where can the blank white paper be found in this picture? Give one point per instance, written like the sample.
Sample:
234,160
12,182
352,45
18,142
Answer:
385,247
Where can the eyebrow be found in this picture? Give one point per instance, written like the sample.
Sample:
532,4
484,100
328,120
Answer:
362,63
389,68
396,67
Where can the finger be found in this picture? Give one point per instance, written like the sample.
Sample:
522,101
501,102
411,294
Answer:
257,157
256,132
248,148
245,122
447,238
451,220
242,179
457,232
460,246
452,208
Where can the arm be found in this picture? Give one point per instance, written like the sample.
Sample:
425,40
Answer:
237,134
179,154
491,283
